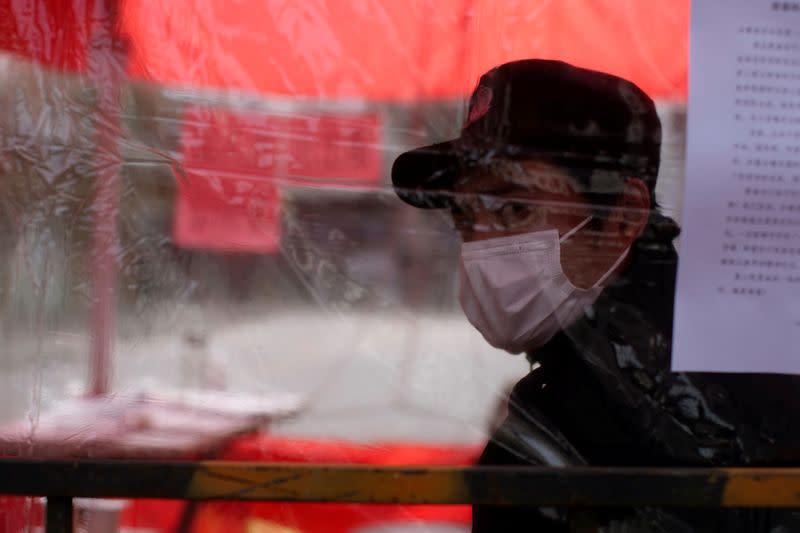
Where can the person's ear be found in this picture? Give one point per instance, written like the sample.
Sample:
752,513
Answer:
635,206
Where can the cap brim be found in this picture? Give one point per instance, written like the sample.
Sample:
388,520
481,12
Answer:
424,177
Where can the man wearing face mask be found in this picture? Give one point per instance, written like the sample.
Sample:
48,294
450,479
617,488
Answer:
566,258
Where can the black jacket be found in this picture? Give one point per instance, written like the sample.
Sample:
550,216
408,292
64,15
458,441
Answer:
602,394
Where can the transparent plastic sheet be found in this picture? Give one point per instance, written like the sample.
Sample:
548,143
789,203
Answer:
261,261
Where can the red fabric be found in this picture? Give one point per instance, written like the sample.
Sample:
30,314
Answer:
18,513
280,449
400,49
377,50
51,32
329,517
159,515
57,33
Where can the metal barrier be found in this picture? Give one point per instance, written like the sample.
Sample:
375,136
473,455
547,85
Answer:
60,481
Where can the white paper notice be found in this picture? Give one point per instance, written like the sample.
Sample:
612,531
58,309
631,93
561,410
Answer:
738,296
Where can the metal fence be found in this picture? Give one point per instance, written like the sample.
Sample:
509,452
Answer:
61,481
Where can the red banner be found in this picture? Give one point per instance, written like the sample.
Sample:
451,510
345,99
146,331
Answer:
228,196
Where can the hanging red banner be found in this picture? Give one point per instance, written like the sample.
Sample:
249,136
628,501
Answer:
228,197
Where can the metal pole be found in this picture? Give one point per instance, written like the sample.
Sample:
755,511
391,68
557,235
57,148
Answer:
59,515
106,68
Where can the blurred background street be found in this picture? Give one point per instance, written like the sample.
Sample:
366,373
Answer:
420,377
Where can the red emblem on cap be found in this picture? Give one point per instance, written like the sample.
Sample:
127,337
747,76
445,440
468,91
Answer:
479,106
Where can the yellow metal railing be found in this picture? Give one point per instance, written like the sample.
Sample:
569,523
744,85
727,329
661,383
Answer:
60,481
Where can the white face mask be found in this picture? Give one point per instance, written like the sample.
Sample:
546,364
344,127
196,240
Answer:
514,291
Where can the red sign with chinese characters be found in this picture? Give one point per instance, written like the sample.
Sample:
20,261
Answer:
228,196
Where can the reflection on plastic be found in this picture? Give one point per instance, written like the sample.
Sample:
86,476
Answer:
348,297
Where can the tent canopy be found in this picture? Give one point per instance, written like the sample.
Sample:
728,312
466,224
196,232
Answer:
386,50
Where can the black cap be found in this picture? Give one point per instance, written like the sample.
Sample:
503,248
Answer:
578,118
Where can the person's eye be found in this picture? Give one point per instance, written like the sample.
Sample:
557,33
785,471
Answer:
515,213
518,211
522,209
